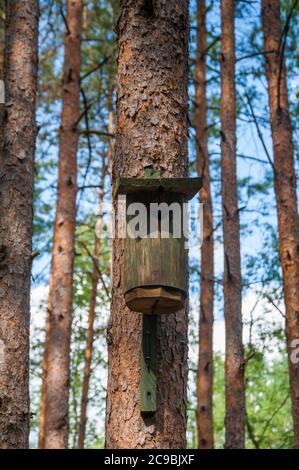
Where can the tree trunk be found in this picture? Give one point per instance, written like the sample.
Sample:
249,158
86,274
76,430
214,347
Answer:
54,409
285,187
91,317
2,36
2,46
151,132
232,281
16,199
204,414
111,130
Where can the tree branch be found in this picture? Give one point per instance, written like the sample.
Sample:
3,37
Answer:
260,135
281,52
96,265
64,20
94,69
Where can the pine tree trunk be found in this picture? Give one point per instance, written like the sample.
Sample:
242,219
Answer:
2,35
2,46
54,418
91,317
205,360
285,187
151,132
111,130
232,281
16,198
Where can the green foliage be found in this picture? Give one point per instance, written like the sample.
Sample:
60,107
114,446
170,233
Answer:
269,422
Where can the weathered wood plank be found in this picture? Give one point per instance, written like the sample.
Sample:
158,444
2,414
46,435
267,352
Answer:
155,300
186,186
156,261
148,371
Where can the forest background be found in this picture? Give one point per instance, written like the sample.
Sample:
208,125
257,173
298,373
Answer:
268,405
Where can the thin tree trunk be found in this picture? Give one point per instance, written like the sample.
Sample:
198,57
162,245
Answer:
232,281
151,132
204,414
42,407
95,280
111,131
16,198
285,187
91,317
54,404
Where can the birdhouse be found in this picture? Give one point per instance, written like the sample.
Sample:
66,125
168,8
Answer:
155,269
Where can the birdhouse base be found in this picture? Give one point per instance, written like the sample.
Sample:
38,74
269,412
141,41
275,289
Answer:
155,300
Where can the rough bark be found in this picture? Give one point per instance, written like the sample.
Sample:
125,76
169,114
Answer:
284,186
16,198
2,41
54,417
91,317
111,130
2,45
151,132
204,413
232,281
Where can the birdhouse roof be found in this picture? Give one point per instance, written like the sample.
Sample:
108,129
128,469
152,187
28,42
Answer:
187,186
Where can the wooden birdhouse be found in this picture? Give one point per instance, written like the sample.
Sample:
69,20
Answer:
155,277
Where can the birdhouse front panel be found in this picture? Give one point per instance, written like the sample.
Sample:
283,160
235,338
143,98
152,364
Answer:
156,258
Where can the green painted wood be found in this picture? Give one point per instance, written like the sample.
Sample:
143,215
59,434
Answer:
187,186
156,261
151,173
148,369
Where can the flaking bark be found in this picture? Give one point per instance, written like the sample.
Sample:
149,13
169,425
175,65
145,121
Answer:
151,132
284,186
17,146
